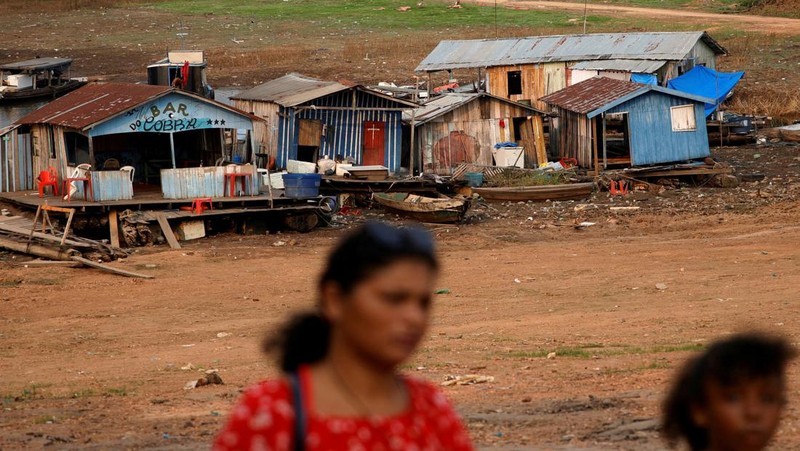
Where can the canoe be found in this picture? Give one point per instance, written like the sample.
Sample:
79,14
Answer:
537,193
424,209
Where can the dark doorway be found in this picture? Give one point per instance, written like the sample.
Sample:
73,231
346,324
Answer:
616,139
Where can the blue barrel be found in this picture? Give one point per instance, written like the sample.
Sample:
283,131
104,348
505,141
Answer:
301,186
474,178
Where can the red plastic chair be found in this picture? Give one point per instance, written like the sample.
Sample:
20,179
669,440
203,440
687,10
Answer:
48,178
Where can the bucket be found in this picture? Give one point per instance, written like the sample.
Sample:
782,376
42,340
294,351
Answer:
474,179
301,186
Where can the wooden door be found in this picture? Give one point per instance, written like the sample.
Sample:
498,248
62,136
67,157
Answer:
374,143
310,133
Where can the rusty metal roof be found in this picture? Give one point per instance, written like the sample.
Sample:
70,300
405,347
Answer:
445,103
291,90
666,46
598,94
93,103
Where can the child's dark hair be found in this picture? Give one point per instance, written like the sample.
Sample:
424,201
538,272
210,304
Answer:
727,362
305,338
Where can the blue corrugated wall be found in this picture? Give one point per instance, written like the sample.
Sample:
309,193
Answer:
345,128
651,136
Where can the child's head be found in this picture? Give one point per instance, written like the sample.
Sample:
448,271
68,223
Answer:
731,396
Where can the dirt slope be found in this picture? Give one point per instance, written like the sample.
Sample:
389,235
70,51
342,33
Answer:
745,22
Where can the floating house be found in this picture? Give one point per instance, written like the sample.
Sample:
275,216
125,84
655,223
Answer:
603,122
527,69
464,128
187,65
306,118
169,141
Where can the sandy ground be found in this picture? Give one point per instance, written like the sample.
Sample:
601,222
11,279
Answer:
95,360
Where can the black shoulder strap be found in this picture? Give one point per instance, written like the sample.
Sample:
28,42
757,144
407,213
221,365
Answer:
299,412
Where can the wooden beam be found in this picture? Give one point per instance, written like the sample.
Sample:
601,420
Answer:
113,228
66,227
594,147
110,269
167,230
36,250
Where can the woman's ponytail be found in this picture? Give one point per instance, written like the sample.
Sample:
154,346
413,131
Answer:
303,340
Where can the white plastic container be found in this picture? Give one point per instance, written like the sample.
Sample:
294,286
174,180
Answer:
300,167
276,180
509,156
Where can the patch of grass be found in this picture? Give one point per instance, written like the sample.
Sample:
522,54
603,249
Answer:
83,393
588,351
45,282
117,391
10,283
33,391
638,369
46,419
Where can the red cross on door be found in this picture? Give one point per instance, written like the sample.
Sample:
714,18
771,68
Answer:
374,143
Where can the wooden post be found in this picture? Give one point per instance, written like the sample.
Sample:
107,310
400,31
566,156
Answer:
412,146
172,149
113,228
164,224
605,147
594,145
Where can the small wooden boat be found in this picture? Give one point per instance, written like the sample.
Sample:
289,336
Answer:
565,191
36,78
424,209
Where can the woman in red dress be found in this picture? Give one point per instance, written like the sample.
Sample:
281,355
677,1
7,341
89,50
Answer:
341,389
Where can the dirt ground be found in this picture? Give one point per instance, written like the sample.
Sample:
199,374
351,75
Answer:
100,361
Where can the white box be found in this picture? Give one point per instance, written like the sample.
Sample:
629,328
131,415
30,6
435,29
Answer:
300,167
507,156
19,81
191,230
276,180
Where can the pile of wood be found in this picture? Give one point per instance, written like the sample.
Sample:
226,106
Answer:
40,238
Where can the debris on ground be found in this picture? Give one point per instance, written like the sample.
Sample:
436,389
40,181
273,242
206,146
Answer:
467,379
211,378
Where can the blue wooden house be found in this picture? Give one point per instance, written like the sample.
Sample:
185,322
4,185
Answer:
605,122
306,118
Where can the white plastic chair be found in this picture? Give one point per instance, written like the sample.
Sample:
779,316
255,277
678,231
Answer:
80,170
130,170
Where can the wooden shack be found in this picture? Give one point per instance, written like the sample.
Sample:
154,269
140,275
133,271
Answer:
306,118
527,69
605,122
464,128
108,126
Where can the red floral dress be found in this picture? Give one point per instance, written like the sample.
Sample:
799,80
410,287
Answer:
264,420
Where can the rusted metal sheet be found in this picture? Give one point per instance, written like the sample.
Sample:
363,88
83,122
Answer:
462,54
591,94
111,185
97,103
621,65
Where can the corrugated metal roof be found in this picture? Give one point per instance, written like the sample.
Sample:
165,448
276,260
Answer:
291,90
634,66
445,103
36,64
591,94
93,103
598,94
668,46
99,102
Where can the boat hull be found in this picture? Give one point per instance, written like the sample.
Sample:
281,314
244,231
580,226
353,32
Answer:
424,209
542,193
40,93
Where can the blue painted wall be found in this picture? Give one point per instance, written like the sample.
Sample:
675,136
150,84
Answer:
651,136
174,112
345,128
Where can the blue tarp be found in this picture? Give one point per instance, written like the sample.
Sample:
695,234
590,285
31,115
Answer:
645,79
706,82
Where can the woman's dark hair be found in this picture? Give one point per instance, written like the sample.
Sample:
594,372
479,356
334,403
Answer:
305,338
728,362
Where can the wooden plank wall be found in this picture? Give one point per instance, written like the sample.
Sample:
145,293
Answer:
481,120
538,80
265,134
573,138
